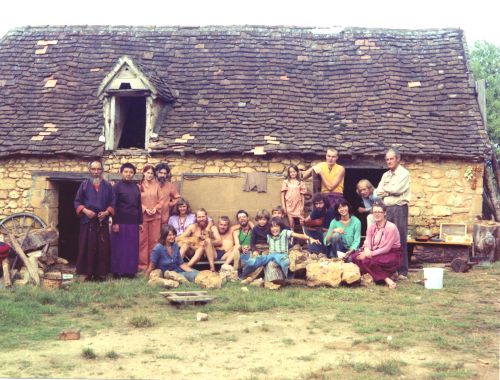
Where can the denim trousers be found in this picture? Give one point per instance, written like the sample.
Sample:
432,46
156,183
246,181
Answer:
336,244
190,276
252,263
316,234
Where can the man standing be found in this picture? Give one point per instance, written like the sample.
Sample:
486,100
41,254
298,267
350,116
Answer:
332,176
94,203
199,239
168,192
394,190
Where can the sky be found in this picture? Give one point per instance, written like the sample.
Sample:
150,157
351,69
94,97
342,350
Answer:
479,18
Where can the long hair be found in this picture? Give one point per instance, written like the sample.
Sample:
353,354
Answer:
296,168
144,170
342,202
165,230
364,182
181,202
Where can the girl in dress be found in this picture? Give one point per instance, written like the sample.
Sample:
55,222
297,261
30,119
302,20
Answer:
292,195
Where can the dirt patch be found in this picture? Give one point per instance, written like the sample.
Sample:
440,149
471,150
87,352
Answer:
277,345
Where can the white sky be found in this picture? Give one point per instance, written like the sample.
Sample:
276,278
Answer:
479,19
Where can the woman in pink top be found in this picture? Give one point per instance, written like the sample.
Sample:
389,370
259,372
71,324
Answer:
380,255
151,211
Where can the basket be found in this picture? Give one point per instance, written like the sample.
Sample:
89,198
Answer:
52,280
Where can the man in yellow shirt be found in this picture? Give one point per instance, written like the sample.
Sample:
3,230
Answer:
332,176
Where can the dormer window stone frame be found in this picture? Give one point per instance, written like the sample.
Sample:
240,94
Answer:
127,80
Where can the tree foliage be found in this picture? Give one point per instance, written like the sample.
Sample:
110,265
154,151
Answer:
485,64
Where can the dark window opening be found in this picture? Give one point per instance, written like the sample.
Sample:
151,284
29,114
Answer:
125,86
68,223
130,122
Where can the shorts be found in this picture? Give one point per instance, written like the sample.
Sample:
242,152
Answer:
219,254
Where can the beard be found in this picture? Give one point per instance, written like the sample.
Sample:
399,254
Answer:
162,180
96,180
202,224
244,224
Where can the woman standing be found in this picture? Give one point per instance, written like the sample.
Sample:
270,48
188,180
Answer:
344,233
151,199
127,222
167,257
381,252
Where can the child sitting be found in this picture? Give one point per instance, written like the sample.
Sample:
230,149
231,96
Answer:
258,242
278,240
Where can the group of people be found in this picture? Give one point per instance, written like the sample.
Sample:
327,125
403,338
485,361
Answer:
144,236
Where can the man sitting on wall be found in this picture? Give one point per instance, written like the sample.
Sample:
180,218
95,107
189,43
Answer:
224,249
199,239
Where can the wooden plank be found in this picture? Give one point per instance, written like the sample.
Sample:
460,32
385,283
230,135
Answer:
430,242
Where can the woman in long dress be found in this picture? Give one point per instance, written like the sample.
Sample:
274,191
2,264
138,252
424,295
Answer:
127,222
380,255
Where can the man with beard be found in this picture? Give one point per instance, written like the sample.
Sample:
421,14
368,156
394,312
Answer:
224,250
242,237
199,239
94,203
168,192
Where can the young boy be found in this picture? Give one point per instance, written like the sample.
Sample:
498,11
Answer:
279,212
258,242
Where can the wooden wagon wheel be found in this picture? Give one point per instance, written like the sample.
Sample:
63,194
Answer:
19,225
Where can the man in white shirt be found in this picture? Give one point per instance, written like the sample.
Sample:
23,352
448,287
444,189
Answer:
394,190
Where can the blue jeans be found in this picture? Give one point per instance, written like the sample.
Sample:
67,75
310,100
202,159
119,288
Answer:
316,234
190,276
252,263
336,244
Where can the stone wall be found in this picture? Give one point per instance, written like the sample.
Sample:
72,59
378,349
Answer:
440,189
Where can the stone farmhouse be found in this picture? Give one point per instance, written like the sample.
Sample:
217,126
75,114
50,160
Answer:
220,102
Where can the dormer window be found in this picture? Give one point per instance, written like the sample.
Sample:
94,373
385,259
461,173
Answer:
131,102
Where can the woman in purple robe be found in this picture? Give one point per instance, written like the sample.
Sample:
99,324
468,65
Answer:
127,222
380,255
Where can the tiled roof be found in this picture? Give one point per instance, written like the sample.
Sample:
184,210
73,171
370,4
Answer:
282,90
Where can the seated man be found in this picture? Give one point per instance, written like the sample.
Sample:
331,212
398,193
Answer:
318,222
198,239
224,248
242,236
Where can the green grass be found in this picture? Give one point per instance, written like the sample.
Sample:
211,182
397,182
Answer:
112,355
459,320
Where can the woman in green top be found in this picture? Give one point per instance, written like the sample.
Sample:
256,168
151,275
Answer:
344,233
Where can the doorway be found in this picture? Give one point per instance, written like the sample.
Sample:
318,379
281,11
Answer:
68,223
352,177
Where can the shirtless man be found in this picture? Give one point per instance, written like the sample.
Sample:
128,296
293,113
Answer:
199,239
224,250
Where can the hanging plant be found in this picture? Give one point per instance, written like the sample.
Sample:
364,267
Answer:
471,175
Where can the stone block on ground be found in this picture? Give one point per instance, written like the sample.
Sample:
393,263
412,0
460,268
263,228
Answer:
350,273
171,275
209,280
324,273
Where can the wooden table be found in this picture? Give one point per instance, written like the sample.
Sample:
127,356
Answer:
437,251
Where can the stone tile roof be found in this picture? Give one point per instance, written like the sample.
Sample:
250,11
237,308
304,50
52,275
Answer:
247,89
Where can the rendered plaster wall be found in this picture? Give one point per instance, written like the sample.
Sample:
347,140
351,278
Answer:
440,191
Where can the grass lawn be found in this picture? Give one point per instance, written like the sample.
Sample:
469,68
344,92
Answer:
128,331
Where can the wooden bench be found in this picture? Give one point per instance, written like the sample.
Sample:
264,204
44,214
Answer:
437,251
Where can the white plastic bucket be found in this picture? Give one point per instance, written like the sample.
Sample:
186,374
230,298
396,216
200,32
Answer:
433,278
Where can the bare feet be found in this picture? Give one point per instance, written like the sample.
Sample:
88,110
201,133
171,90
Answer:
391,284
